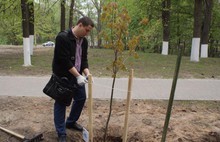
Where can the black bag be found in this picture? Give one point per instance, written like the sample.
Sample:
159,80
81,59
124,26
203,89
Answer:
59,89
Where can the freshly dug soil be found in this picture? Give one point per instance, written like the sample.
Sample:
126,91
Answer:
191,121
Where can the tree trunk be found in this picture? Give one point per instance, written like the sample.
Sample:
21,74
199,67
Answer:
71,14
196,31
99,27
98,6
165,20
25,29
62,16
206,28
31,25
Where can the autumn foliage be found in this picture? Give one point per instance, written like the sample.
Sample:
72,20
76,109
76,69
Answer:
116,36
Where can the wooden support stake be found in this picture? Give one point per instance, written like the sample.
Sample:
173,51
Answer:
128,105
90,108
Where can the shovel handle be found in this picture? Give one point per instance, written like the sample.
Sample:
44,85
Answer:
12,133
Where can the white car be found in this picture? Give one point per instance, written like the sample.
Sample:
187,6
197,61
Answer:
48,44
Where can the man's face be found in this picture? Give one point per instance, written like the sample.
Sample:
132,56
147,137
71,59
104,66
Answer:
84,30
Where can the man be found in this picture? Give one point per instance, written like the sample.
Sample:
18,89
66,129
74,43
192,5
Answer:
70,61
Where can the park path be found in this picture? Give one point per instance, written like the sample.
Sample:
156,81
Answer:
186,89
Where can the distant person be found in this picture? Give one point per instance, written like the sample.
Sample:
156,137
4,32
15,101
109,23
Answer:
70,61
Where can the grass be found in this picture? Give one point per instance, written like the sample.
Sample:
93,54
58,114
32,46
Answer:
148,65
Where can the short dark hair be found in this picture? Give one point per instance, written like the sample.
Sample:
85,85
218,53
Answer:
86,21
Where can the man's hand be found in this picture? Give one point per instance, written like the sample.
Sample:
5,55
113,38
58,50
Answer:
87,77
81,80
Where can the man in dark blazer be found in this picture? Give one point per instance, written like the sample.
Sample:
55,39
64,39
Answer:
70,61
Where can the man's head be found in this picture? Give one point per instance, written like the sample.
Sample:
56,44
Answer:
83,27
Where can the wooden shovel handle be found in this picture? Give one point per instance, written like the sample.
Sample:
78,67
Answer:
12,133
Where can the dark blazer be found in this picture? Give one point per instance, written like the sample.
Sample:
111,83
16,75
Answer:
64,54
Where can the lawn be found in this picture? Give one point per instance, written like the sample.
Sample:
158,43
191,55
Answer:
148,65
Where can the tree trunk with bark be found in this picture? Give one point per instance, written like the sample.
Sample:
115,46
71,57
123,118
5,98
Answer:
62,16
25,29
99,28
31,25
98,6
166,30
71,13
208,5
196,31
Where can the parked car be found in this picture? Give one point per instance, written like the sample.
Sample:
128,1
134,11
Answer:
48,44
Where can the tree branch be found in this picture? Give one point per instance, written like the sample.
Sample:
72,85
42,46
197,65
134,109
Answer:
81,13
78,11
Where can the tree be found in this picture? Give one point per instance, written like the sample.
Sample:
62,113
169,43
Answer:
93,34
47,21
116,30
71,13
214,35
31,24
62,15
25,27
196,31
166,30
208,5
98,5
152,32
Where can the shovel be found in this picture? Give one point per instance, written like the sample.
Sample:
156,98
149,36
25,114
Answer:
36,138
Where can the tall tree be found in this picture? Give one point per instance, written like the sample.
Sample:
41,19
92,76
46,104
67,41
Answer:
166,30
206,27
25,27
152,35
71,13
92,34
31,24
62,15
196,31
98,5
214,30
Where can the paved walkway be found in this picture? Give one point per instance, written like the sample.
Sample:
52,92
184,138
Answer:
187,89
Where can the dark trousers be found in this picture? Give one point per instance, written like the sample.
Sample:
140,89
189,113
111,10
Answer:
79,99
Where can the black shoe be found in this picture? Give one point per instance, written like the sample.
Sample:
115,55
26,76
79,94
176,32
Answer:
74,126
62,138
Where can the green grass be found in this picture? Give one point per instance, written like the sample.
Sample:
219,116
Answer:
148,65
